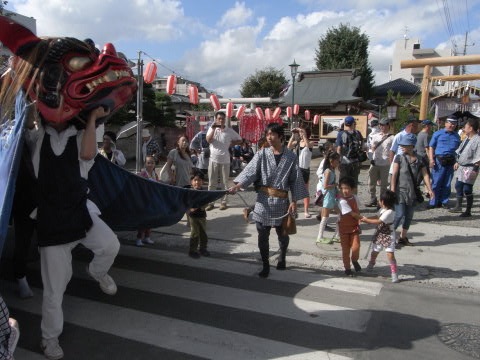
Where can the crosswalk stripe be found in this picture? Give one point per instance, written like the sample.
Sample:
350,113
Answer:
356,286
304,310
179,335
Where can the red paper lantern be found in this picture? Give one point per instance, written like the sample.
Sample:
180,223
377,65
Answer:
315,119
307,114
214,101
193,94
259,113
268,114
150,72
296,109
289,111
171,84
240,111
229,109
276,113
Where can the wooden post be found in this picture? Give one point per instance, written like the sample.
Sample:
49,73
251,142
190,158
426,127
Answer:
425,91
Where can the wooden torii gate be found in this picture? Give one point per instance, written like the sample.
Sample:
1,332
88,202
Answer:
427,64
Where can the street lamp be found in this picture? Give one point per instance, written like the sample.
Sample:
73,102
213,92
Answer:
293,70
392,107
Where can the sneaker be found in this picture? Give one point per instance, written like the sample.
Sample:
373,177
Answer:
147,240
194,254
349,272
223,206
446,206
370,267
139,242
357,266
465,214
51,349
324,241
107,285
14,335
395,278
430,207
404,241
204,252
209,207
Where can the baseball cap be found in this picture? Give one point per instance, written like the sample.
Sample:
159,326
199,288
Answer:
349,120
452,119
412,119
384,121
407,140
428,122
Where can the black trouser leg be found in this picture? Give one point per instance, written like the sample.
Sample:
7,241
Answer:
263,246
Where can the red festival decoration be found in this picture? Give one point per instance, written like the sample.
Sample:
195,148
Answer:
296,109
240,111
150,73
289,111
171,84
229,111
276,113
215,102
259,113
268,114
193,94
307,115
315,120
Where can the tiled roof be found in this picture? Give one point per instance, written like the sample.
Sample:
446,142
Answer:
323,88
401,86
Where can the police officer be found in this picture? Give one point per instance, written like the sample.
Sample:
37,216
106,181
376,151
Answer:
441,155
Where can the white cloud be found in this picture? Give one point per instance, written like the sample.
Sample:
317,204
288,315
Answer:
105,20
236,16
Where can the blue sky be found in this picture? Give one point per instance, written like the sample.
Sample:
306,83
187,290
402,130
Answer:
221,42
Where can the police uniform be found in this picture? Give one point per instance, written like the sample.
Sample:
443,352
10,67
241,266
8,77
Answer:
444,144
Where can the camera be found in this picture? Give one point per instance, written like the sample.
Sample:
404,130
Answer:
295,131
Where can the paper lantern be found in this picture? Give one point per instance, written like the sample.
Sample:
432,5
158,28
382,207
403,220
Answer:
315,120
276,113
268,114
150,72
296,109
259,113
307,115
193,94
289,111
240,112
229,110
214,101
171,84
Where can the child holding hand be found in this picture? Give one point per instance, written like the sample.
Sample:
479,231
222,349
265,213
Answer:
348,225
327,185
382,239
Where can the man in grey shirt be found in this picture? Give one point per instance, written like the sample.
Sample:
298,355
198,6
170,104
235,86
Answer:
423,138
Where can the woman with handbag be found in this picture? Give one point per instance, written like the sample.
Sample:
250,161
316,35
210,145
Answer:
407,169
468,160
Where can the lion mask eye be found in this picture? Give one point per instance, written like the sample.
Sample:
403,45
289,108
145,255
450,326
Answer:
78,63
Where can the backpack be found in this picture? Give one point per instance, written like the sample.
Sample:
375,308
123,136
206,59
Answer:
205,146
353,146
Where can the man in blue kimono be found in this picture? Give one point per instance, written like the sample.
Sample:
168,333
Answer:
275,171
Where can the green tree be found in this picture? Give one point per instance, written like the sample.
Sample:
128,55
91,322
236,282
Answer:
346,47
167,113
264,83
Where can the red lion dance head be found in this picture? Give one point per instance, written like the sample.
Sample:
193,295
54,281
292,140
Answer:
65,77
